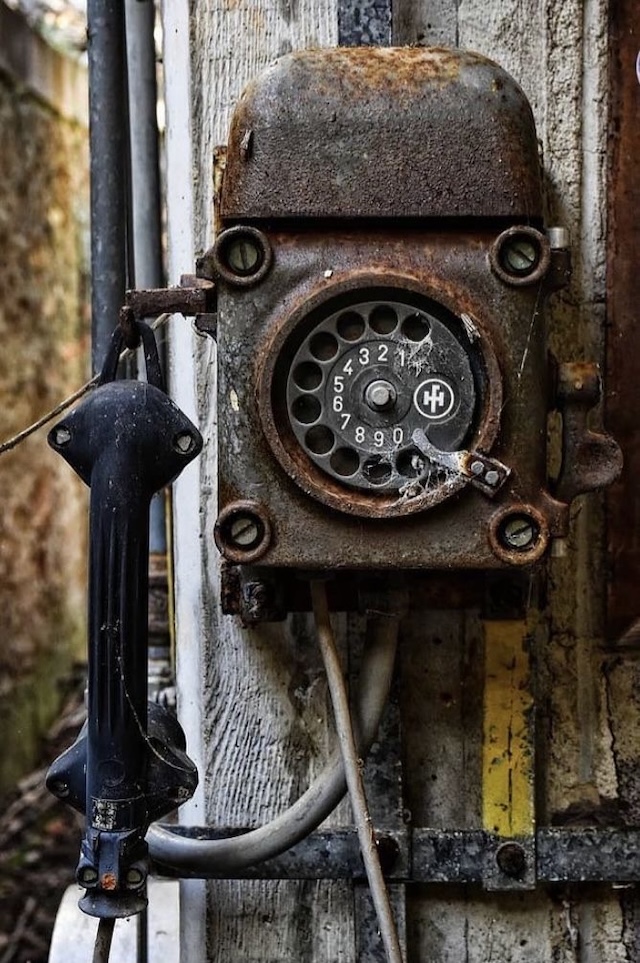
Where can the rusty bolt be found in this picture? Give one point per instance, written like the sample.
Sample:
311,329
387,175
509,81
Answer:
109,882
512,860
380,395
518,532
61,435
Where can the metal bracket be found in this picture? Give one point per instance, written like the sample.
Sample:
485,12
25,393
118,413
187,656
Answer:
486,474
196,297
590,460
554,855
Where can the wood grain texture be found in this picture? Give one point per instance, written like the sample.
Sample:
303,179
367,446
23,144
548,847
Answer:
266,709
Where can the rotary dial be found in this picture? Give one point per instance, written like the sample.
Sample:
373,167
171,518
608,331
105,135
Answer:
367,377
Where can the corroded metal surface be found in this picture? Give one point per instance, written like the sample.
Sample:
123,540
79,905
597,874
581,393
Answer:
623,331
325,148
590,460
310,269
585,855
305,134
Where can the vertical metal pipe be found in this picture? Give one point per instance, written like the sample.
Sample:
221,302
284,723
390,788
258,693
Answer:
107,141
145,220
146,235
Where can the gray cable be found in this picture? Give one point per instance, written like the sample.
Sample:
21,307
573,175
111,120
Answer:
193,857
353,772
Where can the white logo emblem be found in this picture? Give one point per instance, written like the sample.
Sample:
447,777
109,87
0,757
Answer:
434,398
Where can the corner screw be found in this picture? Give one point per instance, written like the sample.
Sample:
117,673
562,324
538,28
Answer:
519,532
243,255
520,255
244,531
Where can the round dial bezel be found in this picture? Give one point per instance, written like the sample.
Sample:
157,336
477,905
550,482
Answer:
274,383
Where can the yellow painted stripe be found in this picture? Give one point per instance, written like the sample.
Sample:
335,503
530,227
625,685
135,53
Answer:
508,761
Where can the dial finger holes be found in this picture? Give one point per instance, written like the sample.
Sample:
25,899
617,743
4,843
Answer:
323,346
383,319
377,471
307,376
345,462
415,327
306,409
410,463
350,326
319,440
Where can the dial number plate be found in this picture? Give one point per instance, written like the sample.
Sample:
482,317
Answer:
366,377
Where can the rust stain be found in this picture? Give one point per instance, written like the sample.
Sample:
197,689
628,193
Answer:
362,131
623,331
108,882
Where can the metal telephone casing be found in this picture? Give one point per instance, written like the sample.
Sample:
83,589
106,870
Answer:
382,173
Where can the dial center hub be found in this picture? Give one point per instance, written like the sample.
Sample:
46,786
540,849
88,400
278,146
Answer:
380,395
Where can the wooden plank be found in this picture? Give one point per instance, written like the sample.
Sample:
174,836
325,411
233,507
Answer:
265,706
265,710
623,330
432,24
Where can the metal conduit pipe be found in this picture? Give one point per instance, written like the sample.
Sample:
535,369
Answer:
146,223
107,143
196,857
145,220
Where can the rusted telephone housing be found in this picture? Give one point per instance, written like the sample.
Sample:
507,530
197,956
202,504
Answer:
381,273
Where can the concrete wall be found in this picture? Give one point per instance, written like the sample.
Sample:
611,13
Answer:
260,745
43,333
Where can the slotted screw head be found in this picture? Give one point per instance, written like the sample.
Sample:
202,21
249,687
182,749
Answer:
519,532
520,255
244,531
244,255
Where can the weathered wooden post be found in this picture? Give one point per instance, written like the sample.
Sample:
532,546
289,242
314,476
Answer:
254,699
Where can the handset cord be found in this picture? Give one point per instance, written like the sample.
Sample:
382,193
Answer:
203,857
102,946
